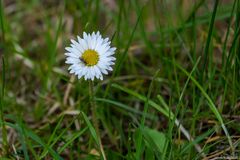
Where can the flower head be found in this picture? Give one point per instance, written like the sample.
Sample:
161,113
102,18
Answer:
91,56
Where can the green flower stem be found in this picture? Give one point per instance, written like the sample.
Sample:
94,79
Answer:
2,122
94,117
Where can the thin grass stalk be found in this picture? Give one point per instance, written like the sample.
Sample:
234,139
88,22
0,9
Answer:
2,21
3,127
209,38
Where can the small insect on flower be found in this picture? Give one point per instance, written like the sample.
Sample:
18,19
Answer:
91,56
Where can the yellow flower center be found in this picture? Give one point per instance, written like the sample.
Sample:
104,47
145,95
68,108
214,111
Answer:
90,57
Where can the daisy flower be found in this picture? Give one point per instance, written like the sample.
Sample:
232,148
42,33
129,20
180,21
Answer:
90,57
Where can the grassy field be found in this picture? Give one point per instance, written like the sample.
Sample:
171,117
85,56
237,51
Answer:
174,92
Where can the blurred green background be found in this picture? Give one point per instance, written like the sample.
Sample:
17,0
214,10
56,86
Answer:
177,75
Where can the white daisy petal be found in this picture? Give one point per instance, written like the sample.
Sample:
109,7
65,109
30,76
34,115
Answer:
97,71
111,63
101,77
83,44
76,45
98,34
69,49
112,49
104,71
105,41
109,68
84,35
85,77
71,55
72,60
108,53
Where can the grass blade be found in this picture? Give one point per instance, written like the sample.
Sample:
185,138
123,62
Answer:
33,136
37,139
210,102
69,141
143,98
165,111
2,20
4,131
206,50
52,136
92,131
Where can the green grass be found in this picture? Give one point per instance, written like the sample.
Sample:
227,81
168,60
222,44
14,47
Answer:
173,93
